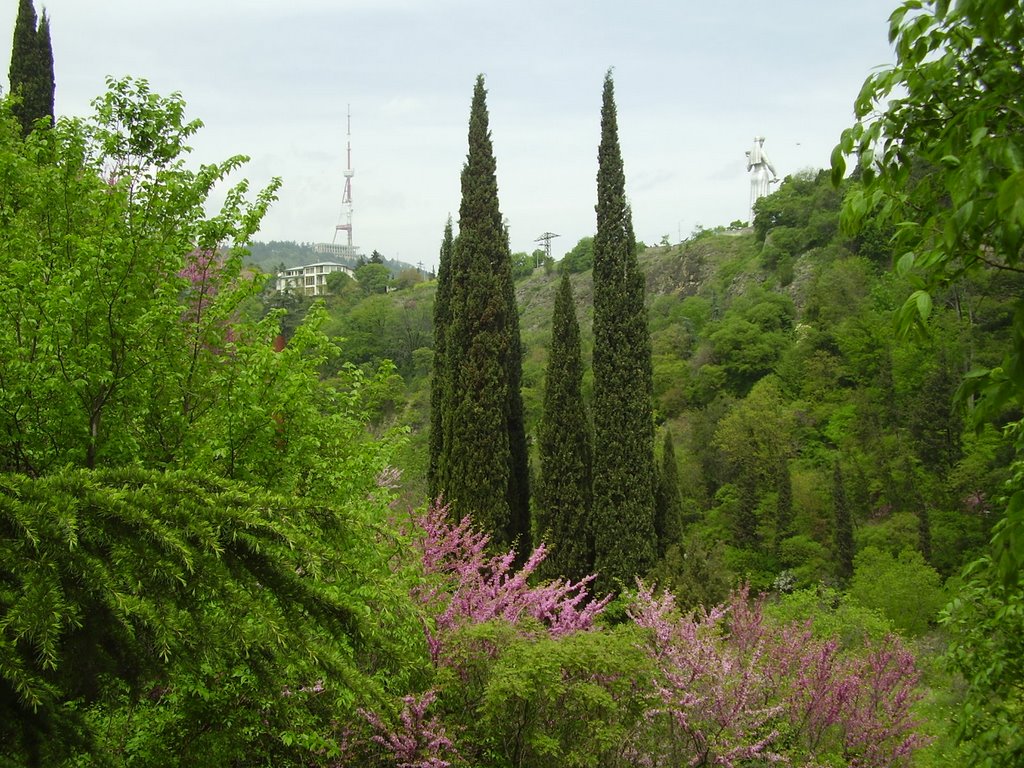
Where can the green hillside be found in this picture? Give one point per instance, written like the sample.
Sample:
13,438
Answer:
775,355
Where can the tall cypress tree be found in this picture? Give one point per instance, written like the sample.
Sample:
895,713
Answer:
482,466
564,447
783,503
23,62
668,523
624,536
844,526
440,372
31,72
44,78
519,457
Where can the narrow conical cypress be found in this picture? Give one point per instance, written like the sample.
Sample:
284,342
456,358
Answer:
519,456
24,63
623,487
31,71
483,456
783,503
668,507
439,373
44,75
844,526
564,448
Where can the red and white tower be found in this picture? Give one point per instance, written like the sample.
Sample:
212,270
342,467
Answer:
345,223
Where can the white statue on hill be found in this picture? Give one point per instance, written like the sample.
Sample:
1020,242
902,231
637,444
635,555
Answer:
759,165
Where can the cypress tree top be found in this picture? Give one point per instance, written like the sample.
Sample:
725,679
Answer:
44,76
31,71
23,45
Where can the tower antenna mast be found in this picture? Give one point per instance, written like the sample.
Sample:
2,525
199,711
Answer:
346,196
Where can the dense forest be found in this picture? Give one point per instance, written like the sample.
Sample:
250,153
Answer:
752,498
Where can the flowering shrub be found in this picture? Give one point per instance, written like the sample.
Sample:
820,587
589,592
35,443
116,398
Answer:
524,675
733,688
466,585
417,741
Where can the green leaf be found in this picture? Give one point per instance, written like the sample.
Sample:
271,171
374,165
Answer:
905,263
1011,192
923,300
838,165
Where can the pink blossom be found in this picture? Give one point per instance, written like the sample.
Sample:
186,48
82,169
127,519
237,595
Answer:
467,585
416,741
729,684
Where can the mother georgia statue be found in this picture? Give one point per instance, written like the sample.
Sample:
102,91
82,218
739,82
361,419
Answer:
759,165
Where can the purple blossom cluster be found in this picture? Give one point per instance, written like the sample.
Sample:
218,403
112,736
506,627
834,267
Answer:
418,741
730,684
727,688
201,271
467,585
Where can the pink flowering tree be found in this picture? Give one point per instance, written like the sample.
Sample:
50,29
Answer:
526,672
466,584
212,295
201,271
732,689
416,741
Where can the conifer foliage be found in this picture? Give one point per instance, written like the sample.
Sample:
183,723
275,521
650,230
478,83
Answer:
31,72
482,467
565,452
442,319
625,541
668,512
844,525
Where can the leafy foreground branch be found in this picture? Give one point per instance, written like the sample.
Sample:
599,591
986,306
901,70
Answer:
144,588
939,139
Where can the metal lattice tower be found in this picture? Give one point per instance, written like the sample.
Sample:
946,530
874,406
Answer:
546,238
346,197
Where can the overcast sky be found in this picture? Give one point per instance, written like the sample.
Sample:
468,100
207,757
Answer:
695,81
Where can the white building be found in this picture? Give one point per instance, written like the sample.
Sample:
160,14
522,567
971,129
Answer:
310,279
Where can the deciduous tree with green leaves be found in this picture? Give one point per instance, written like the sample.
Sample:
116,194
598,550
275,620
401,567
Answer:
189,519
943,160
624,535
373,277
939,139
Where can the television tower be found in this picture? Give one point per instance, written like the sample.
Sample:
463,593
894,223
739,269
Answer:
346,196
